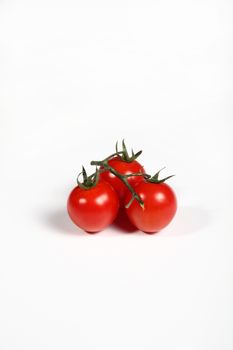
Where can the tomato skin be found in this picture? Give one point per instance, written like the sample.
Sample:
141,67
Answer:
124,168
160,206
95,208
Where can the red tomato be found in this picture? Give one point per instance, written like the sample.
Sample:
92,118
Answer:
95,208
159,206
124,168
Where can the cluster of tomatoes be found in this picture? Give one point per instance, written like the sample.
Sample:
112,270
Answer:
121,183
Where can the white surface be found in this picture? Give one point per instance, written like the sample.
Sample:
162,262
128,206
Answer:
75,77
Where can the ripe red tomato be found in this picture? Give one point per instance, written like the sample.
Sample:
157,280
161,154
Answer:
95,208
159,206
124,168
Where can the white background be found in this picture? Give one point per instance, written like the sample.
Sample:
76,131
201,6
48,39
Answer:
75,76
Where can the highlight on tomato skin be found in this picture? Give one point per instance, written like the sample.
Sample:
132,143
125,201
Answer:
160,205
120,181
124,168
95,208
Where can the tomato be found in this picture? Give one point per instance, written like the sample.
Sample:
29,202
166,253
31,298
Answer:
95,208
124,168
159,206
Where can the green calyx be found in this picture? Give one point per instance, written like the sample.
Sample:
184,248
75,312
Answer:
103,165
124,154
88,181
155,179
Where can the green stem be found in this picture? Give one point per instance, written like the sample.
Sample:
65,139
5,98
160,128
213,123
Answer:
145,176
112,155
92,175
123,178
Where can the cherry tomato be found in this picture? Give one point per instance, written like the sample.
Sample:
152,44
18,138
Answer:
95,208
159,206
124,168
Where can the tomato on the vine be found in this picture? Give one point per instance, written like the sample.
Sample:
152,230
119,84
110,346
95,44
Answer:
93,205
124,165
159,207
124,168
120,179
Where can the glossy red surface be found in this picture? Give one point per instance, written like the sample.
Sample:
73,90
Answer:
160,206
123,168
93,209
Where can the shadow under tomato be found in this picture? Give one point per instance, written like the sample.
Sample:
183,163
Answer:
123,224
59,220
188,220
